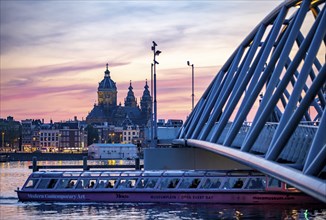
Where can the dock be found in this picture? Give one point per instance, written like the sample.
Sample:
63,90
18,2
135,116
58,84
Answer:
85,166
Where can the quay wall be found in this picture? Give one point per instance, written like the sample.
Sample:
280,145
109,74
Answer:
7,157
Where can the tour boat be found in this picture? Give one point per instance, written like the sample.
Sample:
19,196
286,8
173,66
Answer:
178,186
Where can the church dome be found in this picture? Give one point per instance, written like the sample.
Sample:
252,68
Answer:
107,83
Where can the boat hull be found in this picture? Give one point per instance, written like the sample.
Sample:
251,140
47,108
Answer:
167,197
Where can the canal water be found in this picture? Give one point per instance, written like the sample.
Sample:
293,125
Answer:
14,174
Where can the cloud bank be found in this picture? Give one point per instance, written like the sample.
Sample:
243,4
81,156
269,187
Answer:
53,53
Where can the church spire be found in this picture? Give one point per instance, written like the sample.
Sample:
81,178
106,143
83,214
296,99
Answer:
107,71
130,100
146,86
146,102
130,87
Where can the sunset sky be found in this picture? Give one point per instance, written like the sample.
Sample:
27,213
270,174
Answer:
53,53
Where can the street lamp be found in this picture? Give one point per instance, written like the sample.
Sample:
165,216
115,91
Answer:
156,53
3,139
152,131
193,84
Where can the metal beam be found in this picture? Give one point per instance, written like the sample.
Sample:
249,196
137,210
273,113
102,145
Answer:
308,184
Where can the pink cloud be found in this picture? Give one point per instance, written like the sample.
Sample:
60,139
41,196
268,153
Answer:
28,98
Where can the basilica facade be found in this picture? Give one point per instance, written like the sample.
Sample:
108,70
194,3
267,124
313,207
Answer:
108,111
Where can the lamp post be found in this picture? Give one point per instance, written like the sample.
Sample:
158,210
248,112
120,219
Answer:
156,53
193,84
3,140
152,131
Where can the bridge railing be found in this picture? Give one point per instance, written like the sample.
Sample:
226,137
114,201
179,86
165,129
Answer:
295,150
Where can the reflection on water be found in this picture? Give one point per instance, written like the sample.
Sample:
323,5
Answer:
14,174
14,210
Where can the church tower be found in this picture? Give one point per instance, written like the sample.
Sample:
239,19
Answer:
107,90
146,102
130,100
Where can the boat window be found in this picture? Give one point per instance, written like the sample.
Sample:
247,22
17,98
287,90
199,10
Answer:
211,183
256,183
71,174
71,184
173,173
52,183
37,174
215,173
133,173
101,184
152,173
106,183
86,184
82,183
63,183
195,173
67,183
191,183
274,183
43,183
148,183
228,184
31,183
111,174
52,175
91,174
127,183
142,183
170,183
151,183
238,183
89,183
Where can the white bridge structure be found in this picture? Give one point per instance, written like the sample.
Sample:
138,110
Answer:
265,108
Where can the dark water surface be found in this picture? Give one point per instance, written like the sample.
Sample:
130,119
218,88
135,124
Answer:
14,174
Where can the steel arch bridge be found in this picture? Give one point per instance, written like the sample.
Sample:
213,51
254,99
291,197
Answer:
266,108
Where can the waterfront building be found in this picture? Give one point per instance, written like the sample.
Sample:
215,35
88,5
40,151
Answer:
112,151
49,138
107,109
108,133
10,134
30,134
69,136
131,132
72,137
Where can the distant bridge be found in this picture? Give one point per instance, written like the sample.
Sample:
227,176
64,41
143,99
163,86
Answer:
276,79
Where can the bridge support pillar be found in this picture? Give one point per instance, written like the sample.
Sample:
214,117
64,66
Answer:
187,158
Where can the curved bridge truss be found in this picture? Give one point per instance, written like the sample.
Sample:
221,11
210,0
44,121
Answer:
266,106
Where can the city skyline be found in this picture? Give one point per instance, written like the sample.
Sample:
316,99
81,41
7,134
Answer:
53,54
